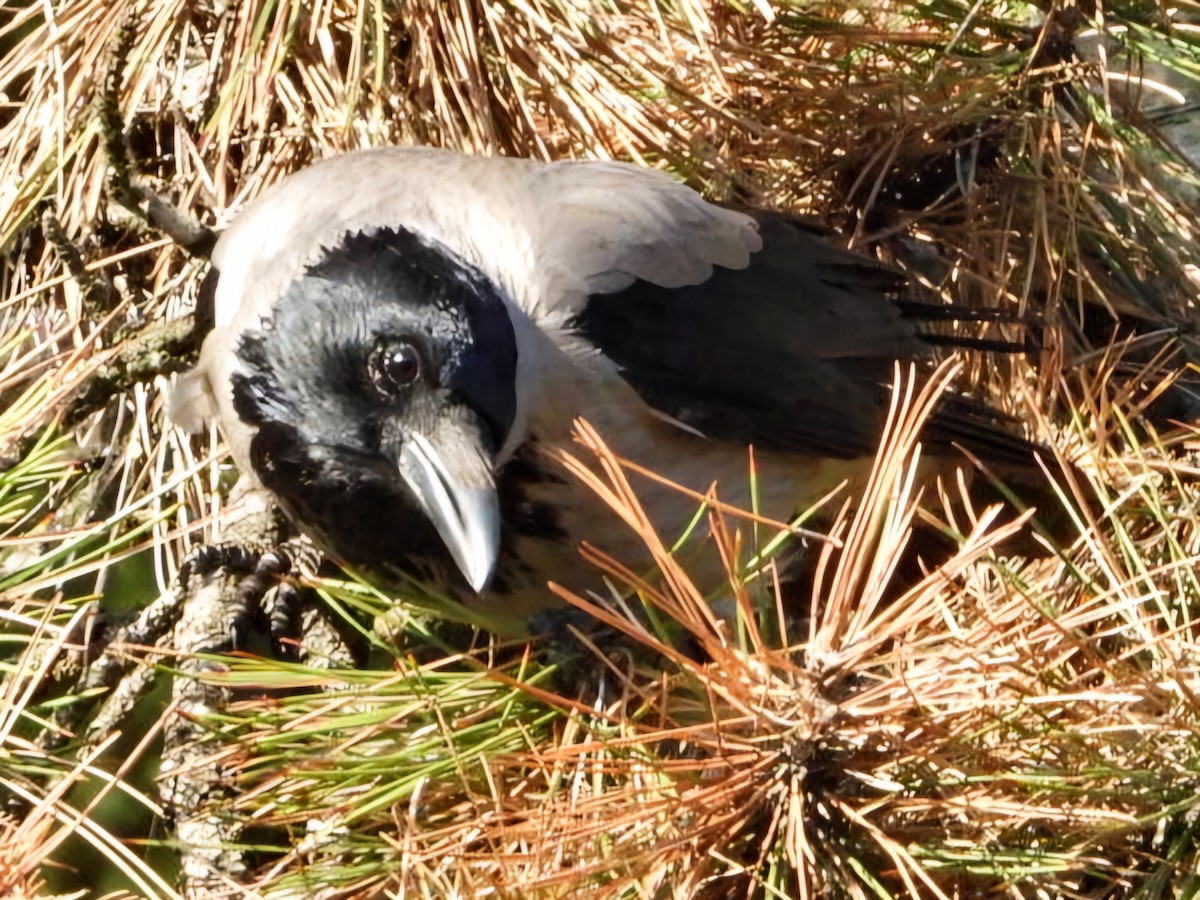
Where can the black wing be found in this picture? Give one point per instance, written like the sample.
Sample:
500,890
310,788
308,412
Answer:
792,353
787,354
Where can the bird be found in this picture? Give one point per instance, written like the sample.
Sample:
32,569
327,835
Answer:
402,339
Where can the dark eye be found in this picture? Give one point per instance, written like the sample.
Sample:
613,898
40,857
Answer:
394,366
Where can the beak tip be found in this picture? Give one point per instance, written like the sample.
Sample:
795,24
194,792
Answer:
465,512
481,578
479,562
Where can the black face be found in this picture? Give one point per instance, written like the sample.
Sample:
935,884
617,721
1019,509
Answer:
381,389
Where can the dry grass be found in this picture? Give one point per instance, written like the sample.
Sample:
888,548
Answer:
46,786
1029,725
1002,723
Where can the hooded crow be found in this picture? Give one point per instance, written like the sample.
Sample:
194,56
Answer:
399,334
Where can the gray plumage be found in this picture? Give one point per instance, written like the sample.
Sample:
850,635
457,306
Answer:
682,330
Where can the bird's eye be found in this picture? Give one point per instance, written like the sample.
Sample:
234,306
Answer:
394,366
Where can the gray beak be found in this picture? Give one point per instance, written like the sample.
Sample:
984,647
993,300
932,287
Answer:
452,481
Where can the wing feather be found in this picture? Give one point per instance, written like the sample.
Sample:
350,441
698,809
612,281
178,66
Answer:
792,353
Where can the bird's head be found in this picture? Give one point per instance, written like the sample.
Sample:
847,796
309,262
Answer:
380,390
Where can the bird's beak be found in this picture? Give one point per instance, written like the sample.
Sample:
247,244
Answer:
451,478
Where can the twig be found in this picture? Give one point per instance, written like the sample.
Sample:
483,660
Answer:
98,291
182,228
195,780
321,646
159,349
149,628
